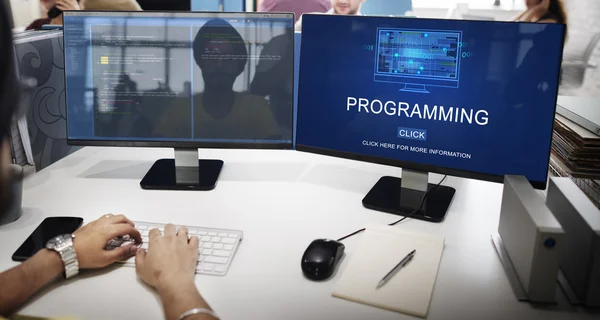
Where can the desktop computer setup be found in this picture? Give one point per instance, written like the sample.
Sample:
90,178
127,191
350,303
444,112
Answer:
472,99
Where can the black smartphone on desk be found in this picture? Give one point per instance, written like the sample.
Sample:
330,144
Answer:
48,229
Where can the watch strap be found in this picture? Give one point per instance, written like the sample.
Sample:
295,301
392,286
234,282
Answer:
69,259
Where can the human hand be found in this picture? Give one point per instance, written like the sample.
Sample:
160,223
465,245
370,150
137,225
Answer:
91,239
170,260
64,5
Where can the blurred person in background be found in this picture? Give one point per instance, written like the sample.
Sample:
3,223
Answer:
298,7
53,12
53,9
112,5
341,7
543,11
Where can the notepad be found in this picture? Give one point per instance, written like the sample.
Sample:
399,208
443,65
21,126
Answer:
380,249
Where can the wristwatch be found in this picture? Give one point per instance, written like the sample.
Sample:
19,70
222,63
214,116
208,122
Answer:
63,245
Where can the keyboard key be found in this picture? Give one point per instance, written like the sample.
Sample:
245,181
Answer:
145,239
213,259
208,267
145,233
201,258
207,252
207,245
161,229
212,234
222,234
145,245
202,233
226,247
215,239
228,241
218,246
222,253
219,268
141,227
233,235
205,239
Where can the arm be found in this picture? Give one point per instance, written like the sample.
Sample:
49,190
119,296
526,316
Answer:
23,281
178,298
170,266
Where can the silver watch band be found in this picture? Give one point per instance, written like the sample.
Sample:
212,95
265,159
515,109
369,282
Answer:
69,259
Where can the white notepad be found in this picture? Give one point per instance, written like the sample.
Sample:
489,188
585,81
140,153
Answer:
380,249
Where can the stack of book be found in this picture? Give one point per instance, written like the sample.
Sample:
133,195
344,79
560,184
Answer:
577,148
576,153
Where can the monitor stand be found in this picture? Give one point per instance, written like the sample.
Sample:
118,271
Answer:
403,196
185,172
418,88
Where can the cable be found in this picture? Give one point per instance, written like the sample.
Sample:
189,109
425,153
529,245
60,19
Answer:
403,218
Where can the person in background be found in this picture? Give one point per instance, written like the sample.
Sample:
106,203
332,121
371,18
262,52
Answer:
543,11
53,11
342,7
169,265
112,5
298,7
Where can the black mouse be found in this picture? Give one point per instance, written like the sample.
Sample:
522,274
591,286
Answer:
321,257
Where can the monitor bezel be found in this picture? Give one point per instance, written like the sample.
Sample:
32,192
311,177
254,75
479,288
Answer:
540,185
276,144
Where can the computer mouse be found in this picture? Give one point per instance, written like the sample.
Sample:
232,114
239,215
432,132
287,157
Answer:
321,257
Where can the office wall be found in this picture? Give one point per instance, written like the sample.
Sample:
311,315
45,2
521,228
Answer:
584,18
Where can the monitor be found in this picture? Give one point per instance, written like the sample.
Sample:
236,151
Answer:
183,80
386,7
219,5
487,111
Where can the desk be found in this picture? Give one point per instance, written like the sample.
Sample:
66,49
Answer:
282,200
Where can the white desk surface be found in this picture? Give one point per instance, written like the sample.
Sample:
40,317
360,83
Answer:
282,200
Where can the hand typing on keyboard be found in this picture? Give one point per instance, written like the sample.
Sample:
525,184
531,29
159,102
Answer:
169,265
216,248
173,257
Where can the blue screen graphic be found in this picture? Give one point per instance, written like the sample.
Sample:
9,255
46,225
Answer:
497,122
418,54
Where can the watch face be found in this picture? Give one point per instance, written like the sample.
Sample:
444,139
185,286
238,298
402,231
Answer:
58,241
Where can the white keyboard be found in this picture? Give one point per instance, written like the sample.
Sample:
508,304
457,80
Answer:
215,252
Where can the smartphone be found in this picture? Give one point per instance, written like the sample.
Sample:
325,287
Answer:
55,12
48,229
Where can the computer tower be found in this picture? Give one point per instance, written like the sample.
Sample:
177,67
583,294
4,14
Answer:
532,238
580,219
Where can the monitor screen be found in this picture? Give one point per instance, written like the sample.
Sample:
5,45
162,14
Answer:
219,5
467,98
179,79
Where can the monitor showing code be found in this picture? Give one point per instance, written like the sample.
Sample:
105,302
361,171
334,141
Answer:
179,77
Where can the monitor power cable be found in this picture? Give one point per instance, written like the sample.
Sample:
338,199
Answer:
405,217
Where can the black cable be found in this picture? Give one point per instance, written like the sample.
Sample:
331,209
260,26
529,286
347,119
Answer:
405,217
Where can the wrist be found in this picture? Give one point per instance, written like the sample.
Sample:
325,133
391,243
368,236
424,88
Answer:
175,283
51,262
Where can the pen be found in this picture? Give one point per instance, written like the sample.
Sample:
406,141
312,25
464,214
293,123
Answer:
399,266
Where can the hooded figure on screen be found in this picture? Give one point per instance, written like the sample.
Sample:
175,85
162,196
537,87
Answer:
220,112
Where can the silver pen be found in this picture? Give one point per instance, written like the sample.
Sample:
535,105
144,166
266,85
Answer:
399,266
